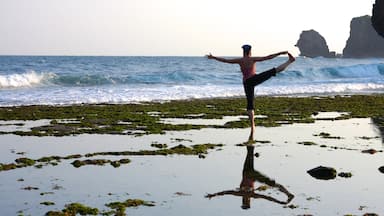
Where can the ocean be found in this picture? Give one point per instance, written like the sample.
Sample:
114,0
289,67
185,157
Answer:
65,80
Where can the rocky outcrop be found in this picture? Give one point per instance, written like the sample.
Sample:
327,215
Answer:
363,40
378,17
312,44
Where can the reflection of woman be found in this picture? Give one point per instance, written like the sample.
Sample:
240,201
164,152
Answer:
247,190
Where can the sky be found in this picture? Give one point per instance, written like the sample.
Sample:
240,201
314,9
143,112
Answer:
171,27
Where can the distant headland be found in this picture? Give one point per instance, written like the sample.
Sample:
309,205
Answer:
366,38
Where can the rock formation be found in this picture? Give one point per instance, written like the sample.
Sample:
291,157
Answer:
363,40
312,44
378,17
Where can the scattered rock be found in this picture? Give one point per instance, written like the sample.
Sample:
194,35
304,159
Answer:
262,141
115,164
291,206
381,169
30,188
57,187
47,203
370,214
323,173
158,145
182,194
369,151
46,193
307,143
327,136
345,174
369,138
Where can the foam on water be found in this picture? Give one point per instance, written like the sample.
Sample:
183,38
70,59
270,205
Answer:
27,79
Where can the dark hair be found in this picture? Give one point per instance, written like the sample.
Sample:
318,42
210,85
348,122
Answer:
246,49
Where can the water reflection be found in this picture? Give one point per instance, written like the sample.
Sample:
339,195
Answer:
379,123
247,185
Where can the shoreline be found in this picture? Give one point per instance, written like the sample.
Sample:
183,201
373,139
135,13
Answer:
146,118
302,95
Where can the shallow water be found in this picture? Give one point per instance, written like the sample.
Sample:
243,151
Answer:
177,184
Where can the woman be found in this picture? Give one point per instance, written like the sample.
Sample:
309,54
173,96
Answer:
250,79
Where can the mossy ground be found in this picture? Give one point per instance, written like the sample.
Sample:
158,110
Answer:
139,119
198,149
117,208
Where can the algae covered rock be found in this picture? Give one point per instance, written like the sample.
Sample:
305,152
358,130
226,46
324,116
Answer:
323,173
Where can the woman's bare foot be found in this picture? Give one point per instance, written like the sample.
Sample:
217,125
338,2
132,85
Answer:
291,58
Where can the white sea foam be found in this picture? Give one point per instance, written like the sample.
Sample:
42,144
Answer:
27,79
94,95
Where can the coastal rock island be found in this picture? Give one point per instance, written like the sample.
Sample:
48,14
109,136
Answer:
363,40
312,44
378,17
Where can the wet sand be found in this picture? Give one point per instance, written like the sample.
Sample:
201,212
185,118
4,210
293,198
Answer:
177,184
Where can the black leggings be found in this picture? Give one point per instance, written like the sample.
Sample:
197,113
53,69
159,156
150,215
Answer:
250,83
250,173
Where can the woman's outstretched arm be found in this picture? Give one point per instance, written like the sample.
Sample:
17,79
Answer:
230,61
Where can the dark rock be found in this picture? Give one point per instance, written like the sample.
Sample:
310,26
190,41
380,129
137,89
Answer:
369,151
363,40
381,169
323,173
345,174
378,17
312,44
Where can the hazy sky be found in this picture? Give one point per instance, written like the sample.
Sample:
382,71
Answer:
170,27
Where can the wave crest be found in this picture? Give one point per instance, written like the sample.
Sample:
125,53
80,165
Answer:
27,79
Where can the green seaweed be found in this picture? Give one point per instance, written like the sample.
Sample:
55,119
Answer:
74,209
200,150
138,119
308,143
5,167
179,149
158,145
47,203
327,136
25,161
99,162
119,208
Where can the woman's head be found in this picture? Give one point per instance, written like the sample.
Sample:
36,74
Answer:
246,50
